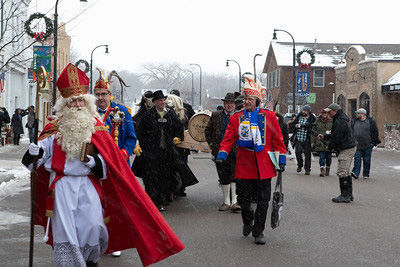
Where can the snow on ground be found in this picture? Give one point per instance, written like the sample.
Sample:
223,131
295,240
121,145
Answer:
13,181
396,167
8,218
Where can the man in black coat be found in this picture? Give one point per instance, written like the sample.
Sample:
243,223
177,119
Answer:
302,140
342,141
367,136
214,132
16,124
159,131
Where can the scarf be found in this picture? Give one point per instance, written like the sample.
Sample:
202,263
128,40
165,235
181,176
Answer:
249,132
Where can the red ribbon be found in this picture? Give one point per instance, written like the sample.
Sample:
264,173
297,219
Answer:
39,35
306,65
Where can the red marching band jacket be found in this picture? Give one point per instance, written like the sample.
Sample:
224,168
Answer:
272,140
131,218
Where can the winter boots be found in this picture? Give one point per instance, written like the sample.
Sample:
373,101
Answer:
346,190
327,170
322,172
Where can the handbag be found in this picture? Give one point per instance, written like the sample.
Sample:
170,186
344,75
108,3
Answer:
277,202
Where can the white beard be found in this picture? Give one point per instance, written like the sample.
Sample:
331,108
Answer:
76,126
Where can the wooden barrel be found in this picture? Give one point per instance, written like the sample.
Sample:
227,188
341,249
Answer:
197,125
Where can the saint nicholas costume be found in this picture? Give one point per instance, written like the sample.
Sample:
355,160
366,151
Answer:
99,209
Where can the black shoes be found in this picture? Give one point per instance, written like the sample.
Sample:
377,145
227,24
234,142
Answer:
247,229
342,199
307,173
91,264
260,240
298,169
353,175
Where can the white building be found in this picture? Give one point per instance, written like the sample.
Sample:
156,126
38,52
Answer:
18,93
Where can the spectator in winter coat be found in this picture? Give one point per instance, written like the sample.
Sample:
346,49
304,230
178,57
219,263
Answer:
342,141
4,117
16,124
303,125
284,129
367,136
31,123
321,128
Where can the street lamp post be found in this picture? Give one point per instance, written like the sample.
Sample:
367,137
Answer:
55,51
254,65
294,66
192,96
200,78
240,72
91,66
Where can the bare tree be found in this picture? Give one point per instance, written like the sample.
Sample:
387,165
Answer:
13,39
166,76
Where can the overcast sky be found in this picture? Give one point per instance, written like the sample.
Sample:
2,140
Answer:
207,32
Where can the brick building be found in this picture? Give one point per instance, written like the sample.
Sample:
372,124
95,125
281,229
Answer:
278,67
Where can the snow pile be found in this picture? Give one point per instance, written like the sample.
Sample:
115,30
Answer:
392,139
18,184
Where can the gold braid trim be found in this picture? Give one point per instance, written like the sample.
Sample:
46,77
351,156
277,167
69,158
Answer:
100,128
106,220
52,130
49,213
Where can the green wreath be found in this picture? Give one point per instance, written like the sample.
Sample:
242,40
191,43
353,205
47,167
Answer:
39,35
82,61
298,58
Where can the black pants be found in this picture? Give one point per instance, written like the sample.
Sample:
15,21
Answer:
303,147
226,170
16,138
261,189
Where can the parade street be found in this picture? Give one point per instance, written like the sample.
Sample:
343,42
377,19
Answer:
314,231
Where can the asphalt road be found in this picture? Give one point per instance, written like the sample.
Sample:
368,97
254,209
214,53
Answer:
314,231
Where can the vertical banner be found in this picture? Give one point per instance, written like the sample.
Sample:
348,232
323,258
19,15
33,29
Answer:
42,57
303,83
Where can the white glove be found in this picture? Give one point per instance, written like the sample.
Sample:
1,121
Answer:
34,149
91,163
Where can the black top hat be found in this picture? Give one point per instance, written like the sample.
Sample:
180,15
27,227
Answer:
158,95
229,97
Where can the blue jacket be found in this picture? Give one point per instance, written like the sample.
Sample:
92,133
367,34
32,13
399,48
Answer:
127,136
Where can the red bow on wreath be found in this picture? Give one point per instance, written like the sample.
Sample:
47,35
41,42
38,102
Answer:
39,35
306,65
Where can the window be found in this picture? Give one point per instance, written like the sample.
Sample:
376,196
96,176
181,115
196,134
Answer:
273,79
319,79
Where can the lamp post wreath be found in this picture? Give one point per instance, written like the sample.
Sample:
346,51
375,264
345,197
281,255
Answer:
82,61
39,35
307,65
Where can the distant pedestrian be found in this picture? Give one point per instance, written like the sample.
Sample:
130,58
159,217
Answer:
4,117
319,144
367,136
215,131
16,125
342,141
284,129
31,123
302,140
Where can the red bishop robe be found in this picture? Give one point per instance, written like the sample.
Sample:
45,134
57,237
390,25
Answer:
131,218
271,135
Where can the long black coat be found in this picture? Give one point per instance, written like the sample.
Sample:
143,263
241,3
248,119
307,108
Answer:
16,123
155,160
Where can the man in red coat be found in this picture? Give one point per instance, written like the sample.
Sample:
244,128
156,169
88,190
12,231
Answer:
88,200
256,132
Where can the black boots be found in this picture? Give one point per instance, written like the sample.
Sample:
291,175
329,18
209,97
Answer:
327,171
91,264
247,229
322,171
346,190
260,240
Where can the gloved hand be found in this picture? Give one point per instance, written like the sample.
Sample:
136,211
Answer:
282,162
137,151
221,157
91,163
176,140
34,149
